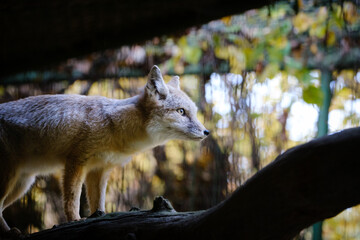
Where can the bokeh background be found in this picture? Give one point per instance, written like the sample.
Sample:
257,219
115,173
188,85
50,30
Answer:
264,81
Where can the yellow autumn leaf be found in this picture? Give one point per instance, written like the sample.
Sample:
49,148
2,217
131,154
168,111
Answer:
237,60
341,96
331,38
279,42
242,42
344,93
226,20
318,30
347,75
302,22
221,52
236,57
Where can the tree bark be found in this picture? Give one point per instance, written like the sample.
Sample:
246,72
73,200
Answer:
304,185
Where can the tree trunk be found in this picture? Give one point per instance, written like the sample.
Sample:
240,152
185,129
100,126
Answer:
304,185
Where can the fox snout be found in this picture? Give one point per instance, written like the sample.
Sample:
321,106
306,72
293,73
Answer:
197,131
205,134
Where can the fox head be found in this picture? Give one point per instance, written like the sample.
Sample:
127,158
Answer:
171,114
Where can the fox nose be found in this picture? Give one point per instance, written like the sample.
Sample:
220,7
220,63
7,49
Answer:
206,132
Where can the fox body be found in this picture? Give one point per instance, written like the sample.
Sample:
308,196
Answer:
87,137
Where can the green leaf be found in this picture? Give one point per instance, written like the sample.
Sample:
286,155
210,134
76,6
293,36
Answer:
318,29
292,63
182,41
302,22
216,117
192,54
253,56
285,27
303,75
255,115
313,95
216,40
270,71
275,54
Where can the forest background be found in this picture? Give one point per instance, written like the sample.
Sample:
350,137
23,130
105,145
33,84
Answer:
264,81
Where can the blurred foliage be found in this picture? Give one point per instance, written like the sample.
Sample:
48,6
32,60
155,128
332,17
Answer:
256,80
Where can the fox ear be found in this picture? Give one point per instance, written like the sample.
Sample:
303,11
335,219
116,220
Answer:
175,82
156,85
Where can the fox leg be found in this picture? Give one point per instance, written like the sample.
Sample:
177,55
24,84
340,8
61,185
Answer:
3,225
96,182
18,189
22,185
7,182
73,179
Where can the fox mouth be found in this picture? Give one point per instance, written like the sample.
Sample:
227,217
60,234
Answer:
197,138
190,135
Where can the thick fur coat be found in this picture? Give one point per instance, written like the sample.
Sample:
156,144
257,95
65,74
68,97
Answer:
86,137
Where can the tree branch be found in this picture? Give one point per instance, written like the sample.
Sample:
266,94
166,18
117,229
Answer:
308,183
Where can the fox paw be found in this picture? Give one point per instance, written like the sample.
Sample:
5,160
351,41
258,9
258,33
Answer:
97,213
80,219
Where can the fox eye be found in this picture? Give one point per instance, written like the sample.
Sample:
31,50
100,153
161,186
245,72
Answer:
181,111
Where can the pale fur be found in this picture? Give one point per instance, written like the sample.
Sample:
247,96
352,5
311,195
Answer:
86,137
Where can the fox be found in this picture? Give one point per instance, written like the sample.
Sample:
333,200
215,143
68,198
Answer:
85,137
